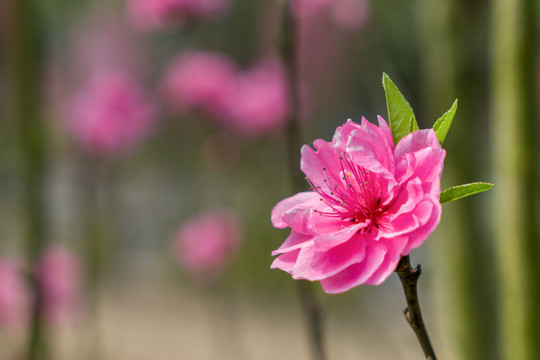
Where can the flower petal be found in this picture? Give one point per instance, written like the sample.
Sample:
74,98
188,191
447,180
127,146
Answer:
417,237
415,141
324,162
356,274
386,132
307,198
330,240
409,196
369,147
395,248
317,265
294,241
427,165
419,154
409,222
286,261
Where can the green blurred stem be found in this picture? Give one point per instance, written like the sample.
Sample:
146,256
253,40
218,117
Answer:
289,47
452,60
93,177
93,170
26,81
413,314
289,51
313,312
514,160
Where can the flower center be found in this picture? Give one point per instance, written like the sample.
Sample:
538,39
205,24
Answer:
354,196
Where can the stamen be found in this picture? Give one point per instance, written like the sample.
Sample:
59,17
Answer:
355,197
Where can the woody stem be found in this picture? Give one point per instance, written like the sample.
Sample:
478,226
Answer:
413,314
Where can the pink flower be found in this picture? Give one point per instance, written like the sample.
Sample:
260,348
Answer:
258,101
111,113
207,242
351,13
304,8
59,273
346,13
253,102
370,204
14,297
153,14
199,80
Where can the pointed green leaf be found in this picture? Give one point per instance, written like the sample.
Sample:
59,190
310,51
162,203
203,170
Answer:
442,125
461,191
400,114
413,126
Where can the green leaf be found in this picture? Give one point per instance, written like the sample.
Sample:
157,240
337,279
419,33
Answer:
442,125
461,191
413,126
400,114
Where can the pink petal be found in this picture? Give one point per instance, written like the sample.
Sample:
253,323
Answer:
327,241
371,148
293,242
286,261
427,165
300,219
321,164
410,222
310,221
307,198
417,237
355,274
391,259
386,132
317,265
409,196
415,141
324,162
341,136
314,221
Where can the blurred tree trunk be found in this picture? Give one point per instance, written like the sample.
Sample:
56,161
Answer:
453,57
25,87
515,161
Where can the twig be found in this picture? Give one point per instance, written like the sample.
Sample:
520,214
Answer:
313,312
26,77
288,44
413,314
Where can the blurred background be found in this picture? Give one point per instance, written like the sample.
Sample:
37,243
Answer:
143,146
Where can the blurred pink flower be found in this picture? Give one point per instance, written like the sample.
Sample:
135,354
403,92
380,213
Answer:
351,13
370,204
346,13
206,243
103,40
258,101
304,8
199,80
252,102
59,273
14,296
111,113
153,14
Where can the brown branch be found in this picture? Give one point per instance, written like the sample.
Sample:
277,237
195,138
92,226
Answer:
413,314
